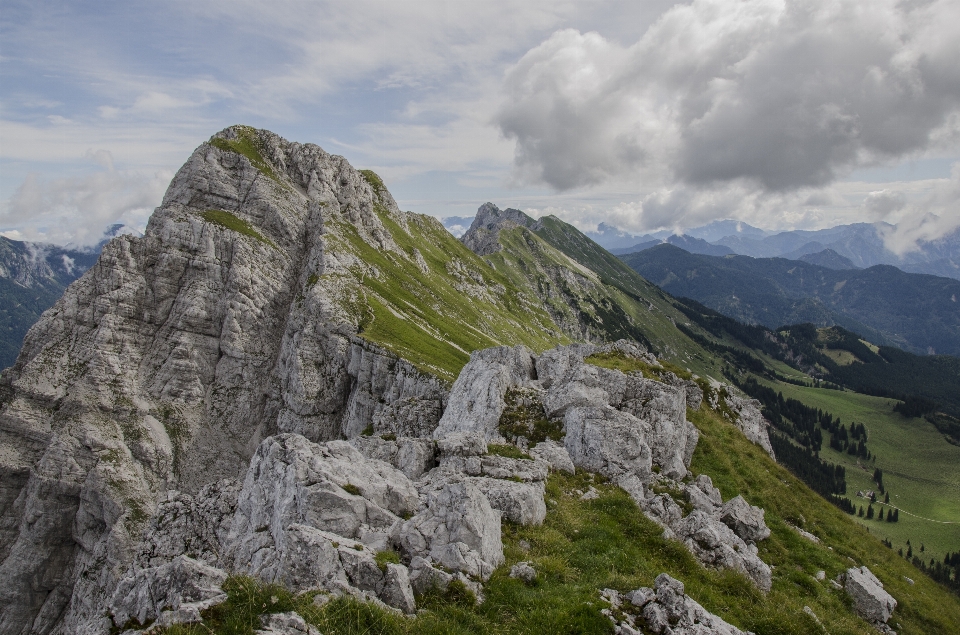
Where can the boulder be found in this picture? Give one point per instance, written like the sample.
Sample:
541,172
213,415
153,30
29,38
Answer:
477,396
870,600
413,456
703,495
744,519
520,503
285,624
667,609
714,544
458,529
524,572
605,440
554,455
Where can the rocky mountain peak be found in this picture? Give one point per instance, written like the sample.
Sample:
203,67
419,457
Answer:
482,236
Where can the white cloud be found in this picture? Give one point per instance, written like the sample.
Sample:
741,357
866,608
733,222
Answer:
78,209
782,94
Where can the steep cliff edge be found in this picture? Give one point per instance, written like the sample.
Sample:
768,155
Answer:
270,293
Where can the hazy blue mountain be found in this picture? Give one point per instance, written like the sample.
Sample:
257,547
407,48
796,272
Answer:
828,258
688,243
718,229
917,312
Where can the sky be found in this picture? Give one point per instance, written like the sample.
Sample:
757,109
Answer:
644,114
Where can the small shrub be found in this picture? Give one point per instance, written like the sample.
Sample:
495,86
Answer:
350,488
384,558
388,437
368,431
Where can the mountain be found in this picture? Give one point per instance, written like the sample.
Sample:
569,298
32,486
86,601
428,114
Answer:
289,395
913,311
862,243
827,258
718,229
32,277
685,242
610,237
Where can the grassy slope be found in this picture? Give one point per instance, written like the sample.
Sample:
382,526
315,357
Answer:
585,546
424,316
920,469
621,298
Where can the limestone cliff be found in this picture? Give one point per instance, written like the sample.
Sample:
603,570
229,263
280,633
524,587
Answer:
272,292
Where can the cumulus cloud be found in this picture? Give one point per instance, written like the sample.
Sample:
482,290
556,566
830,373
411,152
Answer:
78,209
882,203
781,94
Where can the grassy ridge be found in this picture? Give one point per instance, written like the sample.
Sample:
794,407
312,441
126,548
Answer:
584,546
436,317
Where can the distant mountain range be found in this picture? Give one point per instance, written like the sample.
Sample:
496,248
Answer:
919,313
33,276
859,245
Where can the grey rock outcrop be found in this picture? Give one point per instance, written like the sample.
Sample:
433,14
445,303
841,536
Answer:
458,529
716,545
301,501
750,421
665,608
744,519
285,624
554,455
477,397
168,361
481,237
870,600
174,592
411,455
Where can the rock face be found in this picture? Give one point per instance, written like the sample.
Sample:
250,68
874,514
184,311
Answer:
663,609
168,362
870,600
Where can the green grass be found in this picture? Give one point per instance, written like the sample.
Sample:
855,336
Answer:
584,546
615,360
247,144
423,316
233,223
920,469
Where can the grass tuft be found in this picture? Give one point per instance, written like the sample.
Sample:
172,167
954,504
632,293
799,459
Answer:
233,223
508,451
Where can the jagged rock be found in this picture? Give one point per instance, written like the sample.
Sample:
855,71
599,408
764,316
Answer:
870,600
477,398
312,516
554,455
523,571
744,519
167,363
195,525
481,238
703,495
662,509
715,544
667,609
411,455
750,421
285,624
458,529
694,394
181,588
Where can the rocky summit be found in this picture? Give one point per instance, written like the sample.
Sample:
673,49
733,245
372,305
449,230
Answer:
289,380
